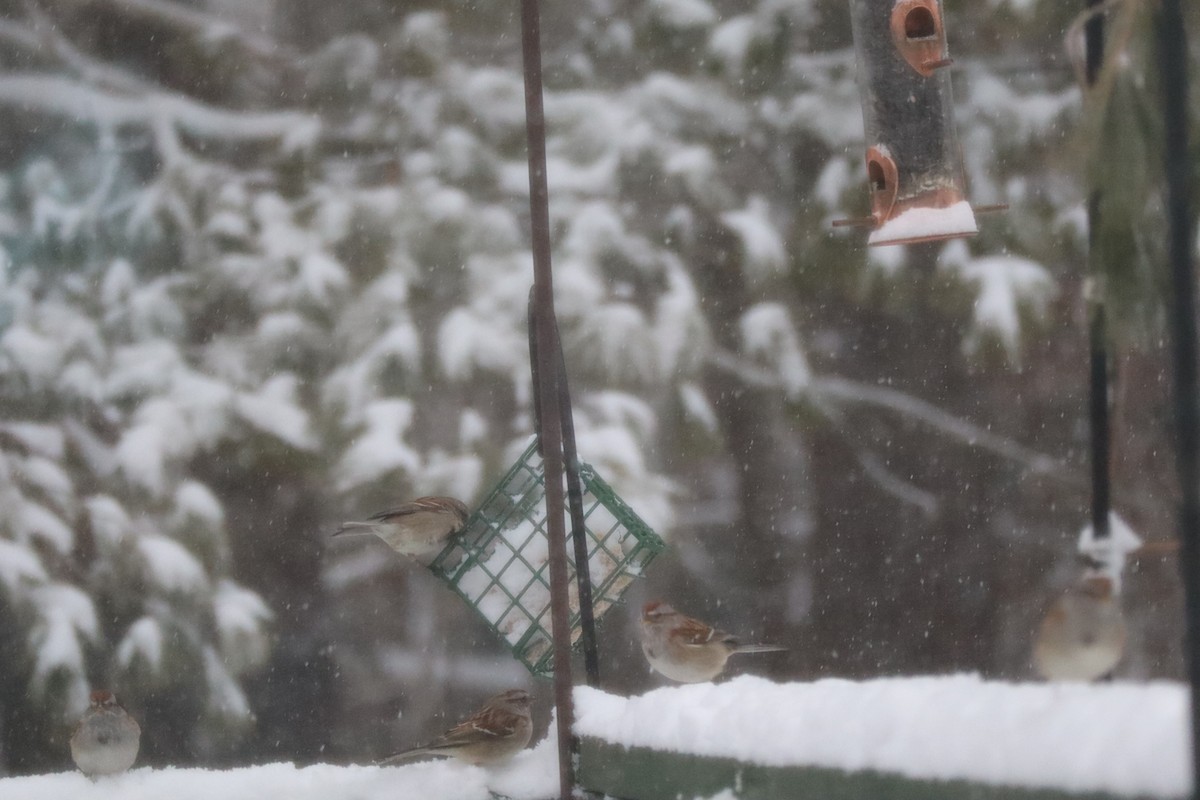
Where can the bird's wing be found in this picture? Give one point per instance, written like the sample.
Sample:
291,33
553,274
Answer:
406,510
424,505
481,726
488,724
694,633
461,734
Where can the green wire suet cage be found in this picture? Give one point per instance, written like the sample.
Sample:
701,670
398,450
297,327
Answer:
499,562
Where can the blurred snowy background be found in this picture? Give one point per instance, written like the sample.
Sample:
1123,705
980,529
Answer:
265,265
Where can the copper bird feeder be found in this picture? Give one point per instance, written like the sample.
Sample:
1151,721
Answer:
916,179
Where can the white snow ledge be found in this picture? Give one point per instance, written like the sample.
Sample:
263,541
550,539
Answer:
531,775
1120,738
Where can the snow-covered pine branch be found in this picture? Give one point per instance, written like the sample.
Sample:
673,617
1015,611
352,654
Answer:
76,101
833,391
205,28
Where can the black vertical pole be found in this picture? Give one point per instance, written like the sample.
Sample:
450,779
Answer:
1172,41
1093,42
1098,412
550,424
1098,378
583,578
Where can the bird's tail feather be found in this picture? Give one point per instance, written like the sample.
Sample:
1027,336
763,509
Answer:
760,648
400,758
354,527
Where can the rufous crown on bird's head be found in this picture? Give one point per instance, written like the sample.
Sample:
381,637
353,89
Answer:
656,609
517,697
102,698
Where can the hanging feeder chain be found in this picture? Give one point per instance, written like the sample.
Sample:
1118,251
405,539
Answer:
550,424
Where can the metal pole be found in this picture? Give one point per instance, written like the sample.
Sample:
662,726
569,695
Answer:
1093,33
583,577
550,433
1098,415
1172,41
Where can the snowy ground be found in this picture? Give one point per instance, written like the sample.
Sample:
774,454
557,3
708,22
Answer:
532,775
1123,738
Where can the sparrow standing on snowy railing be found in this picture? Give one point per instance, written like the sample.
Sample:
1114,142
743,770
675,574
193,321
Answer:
105,742
1083,634
685,649
494,734
419,529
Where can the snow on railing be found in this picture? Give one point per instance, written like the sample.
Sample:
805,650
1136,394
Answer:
1123,739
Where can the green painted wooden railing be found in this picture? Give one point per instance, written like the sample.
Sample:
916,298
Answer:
643,774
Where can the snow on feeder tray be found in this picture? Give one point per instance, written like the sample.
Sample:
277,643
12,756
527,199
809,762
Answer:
498,563
916,179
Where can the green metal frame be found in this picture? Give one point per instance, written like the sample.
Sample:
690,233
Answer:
639,773
498,563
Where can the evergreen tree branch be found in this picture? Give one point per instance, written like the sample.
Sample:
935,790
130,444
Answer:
848,391
48,37
202,27
165,113
904,491
19,36
827,392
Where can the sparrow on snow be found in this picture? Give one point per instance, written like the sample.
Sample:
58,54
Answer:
1083,634
685,649
106,739
493,734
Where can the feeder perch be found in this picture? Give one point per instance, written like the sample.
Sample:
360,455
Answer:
917,183
499,562
1106,555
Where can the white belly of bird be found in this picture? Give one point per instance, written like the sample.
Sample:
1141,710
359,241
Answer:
700,667
1085,663
112,756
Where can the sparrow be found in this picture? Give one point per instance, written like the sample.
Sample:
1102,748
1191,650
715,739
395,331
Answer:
106,739
493,734
1083,634
685,649
419,529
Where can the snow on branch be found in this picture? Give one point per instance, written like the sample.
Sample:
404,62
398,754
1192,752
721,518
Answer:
71,99
19,36
841,389
828,392
110,96
45,37
896,486
203,27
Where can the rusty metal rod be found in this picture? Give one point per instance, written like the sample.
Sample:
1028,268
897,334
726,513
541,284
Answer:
550,432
